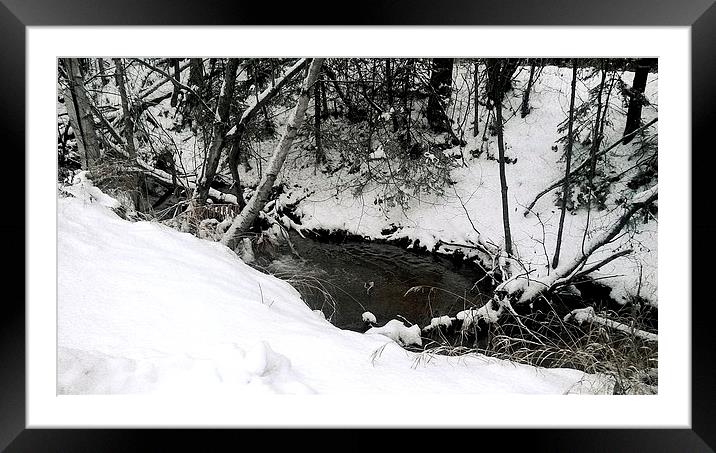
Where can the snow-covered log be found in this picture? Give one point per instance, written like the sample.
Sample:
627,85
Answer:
167,178
588,314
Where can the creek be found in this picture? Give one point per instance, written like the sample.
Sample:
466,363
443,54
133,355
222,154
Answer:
377,277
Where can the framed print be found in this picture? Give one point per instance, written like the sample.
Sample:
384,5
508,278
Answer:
280,226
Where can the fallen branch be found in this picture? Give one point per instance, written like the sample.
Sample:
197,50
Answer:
588,314
602,263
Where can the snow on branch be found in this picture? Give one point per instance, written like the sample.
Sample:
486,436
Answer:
167,178
588,314
268,93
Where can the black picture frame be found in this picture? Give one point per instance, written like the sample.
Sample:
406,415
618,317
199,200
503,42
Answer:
700,15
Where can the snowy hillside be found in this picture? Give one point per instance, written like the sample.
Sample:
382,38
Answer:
143,308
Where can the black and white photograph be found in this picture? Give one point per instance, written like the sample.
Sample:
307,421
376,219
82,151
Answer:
408,225
480,215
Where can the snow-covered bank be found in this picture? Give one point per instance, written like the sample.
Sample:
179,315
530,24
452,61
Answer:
473,202
144,308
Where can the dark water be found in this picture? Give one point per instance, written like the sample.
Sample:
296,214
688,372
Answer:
347,271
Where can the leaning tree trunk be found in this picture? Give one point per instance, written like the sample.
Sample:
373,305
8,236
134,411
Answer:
251,111
220,128
440,88
568,157
636,96
243,222
79,111
234,160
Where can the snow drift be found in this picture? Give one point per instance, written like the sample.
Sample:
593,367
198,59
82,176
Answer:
143,308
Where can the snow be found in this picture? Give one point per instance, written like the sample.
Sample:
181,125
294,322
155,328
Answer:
588,314
83,189
143,308
369,317
378,154
486,313
445,321
398,332
581,315
430,218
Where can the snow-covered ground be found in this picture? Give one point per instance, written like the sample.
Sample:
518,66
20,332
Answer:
529,140
143,308
430,218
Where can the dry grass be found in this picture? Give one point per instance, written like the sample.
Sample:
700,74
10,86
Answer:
543,339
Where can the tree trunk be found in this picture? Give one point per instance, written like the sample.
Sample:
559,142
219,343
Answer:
389,83
476,84
126,108
324,100
636,96
244,221
440,88
568,157
499,74
196,82
263,99
220,128
320,156
80,114
102,72
407,105
503,177
177,76
342,95
597,130
526,96
234,160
